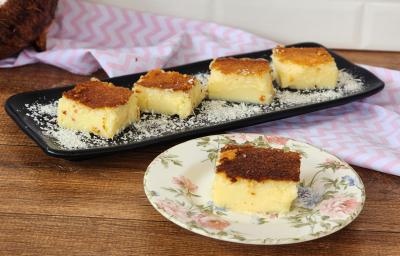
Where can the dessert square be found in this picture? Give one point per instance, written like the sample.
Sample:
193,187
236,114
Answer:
241,80
97,107
250,179
304,68
169,93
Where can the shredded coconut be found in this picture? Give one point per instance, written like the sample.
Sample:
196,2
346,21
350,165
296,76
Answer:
49,109
347,83
209,113
67,138
202,77
301,98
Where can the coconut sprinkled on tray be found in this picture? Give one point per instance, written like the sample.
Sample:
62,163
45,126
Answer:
208,113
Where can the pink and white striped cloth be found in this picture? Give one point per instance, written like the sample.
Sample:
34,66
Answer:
85,37
364,133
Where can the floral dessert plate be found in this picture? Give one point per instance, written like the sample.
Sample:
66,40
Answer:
178,184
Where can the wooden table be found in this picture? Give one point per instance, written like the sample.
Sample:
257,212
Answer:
50,206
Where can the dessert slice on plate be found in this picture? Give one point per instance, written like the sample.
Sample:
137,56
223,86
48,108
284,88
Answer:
241,80
304,68
169,93
97,107
250,179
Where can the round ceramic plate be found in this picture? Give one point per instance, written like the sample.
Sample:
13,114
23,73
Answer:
178,184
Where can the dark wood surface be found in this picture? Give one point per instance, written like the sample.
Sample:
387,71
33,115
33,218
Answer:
50,206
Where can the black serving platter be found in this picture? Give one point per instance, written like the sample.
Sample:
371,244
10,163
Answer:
16,108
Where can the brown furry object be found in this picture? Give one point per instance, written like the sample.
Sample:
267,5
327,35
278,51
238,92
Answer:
24,23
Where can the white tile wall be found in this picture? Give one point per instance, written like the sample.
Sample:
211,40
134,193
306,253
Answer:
294,21
351,24
381,26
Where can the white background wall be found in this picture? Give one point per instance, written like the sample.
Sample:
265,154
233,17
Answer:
347,24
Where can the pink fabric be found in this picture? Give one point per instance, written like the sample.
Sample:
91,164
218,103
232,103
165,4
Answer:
86,37
364,133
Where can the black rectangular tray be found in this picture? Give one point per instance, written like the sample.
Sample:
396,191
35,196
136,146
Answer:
15,107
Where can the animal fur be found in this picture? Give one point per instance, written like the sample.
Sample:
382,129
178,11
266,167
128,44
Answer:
24,23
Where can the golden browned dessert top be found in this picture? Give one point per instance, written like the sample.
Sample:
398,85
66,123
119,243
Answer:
259,164
167,80
303,56
97,94
242,66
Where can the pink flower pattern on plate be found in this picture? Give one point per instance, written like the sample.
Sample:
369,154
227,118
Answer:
210,221
185,183
273,216
338,207
276,139
173,209
239,137
330,161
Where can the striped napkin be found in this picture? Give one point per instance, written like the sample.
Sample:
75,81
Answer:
364,133
85,37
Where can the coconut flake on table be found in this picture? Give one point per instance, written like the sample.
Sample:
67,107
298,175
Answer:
210,112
